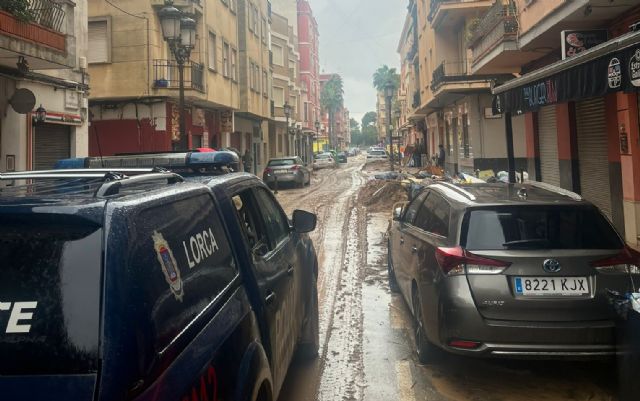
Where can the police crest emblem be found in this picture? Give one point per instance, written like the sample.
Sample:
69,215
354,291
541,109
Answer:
168,264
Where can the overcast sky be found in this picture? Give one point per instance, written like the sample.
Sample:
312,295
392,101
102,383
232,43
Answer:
357,37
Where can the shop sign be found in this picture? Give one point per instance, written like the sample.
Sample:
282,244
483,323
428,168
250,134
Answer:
226,121
63,118
575,42
614,73
71,99
634,68
540,94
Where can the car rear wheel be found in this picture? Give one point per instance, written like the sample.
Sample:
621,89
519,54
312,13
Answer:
393,283
424,349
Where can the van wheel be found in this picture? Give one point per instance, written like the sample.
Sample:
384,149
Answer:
309,343
424,348
393,282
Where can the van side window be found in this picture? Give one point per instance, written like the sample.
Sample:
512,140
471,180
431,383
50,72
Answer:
274,220
181,261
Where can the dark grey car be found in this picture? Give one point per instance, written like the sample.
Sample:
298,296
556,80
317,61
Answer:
509,270
286,170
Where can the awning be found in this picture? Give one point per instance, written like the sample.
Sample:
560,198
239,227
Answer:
610,67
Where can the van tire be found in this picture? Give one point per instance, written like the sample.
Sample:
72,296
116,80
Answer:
309,343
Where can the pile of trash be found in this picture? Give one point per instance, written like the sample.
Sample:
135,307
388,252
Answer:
381,195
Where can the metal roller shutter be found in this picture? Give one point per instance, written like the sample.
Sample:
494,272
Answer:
51,143
593,153
548,141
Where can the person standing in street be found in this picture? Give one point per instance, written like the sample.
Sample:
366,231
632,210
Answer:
247,161
441,156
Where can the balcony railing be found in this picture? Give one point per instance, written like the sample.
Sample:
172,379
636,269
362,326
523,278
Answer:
499,22
455,71
416,100
47,13
166,75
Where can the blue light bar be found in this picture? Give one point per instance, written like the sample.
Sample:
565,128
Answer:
216,158
76,162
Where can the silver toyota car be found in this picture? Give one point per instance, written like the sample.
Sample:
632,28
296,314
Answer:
518,270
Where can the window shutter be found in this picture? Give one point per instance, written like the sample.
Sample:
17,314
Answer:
98,42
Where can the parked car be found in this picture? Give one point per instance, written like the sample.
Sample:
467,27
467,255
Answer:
147,286
376,156
342,157
324,160
289,169
508,270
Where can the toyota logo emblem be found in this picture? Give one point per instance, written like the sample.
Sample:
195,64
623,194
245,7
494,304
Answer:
551,266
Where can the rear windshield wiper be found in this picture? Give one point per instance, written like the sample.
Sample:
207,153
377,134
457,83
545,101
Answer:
526,242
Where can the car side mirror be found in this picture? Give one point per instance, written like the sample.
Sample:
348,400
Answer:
398,209
304,222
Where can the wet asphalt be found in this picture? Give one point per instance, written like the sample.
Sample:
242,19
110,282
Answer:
366,335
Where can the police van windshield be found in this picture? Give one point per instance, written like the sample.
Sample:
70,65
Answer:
49,296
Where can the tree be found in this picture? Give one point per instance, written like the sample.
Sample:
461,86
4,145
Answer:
19,8
354,124
369,118
332,99
385,75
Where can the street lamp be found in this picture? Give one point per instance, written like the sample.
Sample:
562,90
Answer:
179,32
40,116
388,94
287,114
317,125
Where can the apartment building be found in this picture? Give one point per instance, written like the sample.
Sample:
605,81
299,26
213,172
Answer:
308,37
286,140
381,116
252,120
43,84
134,96
578,94
456,102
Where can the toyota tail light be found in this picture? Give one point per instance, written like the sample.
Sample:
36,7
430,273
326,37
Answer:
455,261
625,262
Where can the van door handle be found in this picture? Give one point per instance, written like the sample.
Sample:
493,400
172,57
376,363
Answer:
414,249
271,296
290,270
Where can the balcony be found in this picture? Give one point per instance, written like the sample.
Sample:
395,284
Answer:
416,100
166,75
448,72
494,36
451,12
40,35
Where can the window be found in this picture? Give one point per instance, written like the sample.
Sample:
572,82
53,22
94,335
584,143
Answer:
256,20
294,105
257,78
306,111
538,227
273,218
278,96
292,69
265,83
433,216
99,41
278,55
213,57
234,64
232,6
225,59
251,84
250,16
264,30
412,211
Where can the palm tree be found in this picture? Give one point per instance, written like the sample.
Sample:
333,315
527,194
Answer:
332,99
385,75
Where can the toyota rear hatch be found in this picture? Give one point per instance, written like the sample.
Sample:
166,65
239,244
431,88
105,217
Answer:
542,263
49,306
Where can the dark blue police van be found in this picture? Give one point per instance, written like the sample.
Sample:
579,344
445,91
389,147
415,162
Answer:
131,283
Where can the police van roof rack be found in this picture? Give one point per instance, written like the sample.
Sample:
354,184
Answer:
115,181
78,173
112,180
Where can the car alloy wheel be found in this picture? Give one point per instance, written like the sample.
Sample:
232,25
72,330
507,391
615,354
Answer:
424,348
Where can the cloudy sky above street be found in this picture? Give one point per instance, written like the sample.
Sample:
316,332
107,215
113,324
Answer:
356,37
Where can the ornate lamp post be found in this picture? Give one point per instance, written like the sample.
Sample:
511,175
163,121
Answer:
179,32
317,125
287,114
388,94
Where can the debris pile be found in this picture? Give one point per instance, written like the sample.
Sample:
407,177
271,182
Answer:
379,195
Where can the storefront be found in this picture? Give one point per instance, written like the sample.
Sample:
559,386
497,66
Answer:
585,136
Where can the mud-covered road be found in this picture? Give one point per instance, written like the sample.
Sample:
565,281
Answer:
367,347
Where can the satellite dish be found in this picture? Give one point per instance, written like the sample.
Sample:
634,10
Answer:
23,101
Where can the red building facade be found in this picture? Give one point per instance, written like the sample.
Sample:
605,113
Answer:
308,38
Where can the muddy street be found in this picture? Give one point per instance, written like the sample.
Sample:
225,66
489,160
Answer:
366,332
